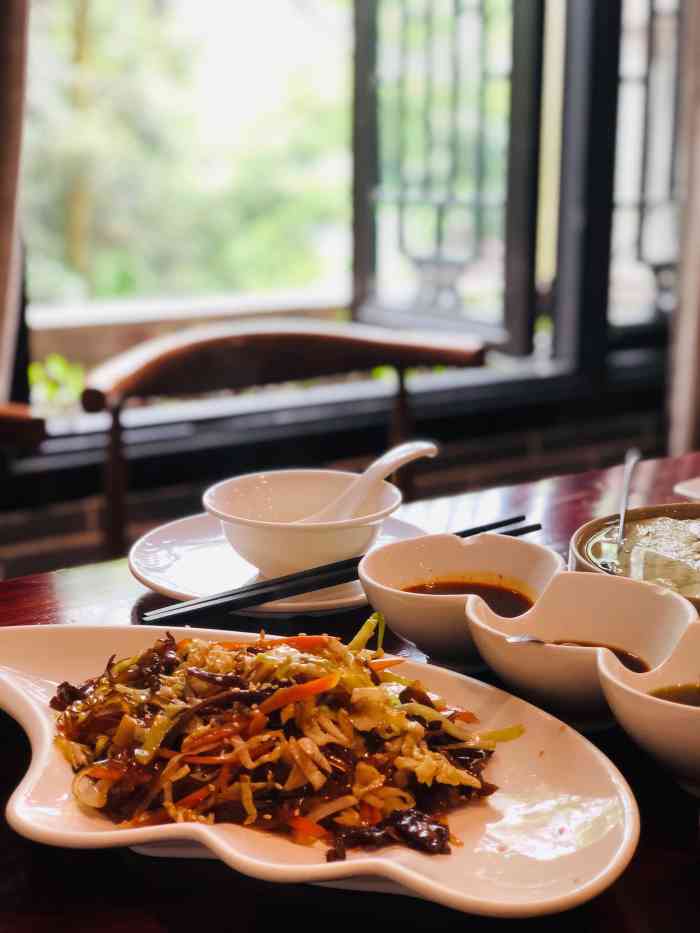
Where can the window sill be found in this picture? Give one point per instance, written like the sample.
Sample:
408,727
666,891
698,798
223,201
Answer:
275,412
192,441
90,333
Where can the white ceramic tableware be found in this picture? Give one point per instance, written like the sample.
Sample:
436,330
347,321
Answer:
668,731
353,500
689,488
640,618
190,558
562,826
436,623
260,513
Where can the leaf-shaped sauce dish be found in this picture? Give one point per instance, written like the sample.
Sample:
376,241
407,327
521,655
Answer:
665,729
561,828
577,612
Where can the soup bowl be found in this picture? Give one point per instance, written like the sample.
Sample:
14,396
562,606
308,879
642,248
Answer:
642,619
435,622
580,555
668,731
259,512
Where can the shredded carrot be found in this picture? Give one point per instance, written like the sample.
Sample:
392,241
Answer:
149,818
298,692
466,715
193,743
167,753
381,664
233,645
223,777
369,814
197,796
103,772
302,642
256,724
310,643
306,827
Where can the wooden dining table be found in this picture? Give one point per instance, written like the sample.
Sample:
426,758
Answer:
43,888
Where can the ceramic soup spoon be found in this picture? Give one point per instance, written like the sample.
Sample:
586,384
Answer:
353,499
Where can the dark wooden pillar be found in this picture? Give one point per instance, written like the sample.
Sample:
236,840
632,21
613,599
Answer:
115,468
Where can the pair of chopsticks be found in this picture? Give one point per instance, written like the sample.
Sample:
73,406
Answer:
305,581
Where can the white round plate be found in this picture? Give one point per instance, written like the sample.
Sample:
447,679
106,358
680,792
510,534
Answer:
561,828
191,557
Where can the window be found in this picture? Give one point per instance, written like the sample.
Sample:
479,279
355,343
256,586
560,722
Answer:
444,108
520,147
180,150
454,182
503,167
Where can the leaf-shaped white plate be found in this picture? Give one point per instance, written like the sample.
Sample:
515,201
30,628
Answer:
561,828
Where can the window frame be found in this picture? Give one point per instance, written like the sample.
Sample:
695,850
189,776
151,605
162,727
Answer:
589,127
583,333
515,334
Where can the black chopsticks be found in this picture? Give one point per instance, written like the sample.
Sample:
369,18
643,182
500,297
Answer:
305,581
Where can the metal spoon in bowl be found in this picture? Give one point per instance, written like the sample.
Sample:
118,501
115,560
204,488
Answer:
351,501
608,547
632,458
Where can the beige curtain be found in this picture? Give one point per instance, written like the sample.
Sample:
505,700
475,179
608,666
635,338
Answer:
13,48
684,371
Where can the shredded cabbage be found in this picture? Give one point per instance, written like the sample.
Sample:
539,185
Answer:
298,735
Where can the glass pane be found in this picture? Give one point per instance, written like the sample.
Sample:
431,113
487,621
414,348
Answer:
444,107
645,231
179,148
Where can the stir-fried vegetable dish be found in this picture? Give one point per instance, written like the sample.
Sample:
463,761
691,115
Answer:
305,736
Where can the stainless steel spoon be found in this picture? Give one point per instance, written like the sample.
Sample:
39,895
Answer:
632,458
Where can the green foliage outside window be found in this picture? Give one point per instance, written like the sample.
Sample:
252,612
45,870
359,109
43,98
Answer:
56,383
121,200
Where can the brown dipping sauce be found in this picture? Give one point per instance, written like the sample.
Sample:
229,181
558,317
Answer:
631,661
688,694
502,599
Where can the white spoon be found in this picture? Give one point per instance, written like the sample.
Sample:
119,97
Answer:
352,500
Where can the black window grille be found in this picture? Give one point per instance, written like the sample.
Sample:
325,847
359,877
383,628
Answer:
447,150
448,85
645,224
